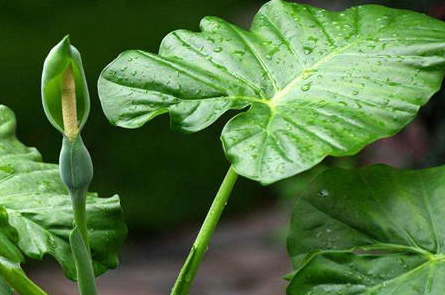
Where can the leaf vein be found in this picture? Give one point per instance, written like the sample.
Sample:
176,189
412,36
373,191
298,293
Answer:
255,54
285,42
222,68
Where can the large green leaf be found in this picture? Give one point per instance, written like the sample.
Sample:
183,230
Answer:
36,208
376,230
317,83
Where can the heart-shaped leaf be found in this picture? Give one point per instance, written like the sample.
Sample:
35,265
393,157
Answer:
36,211
376,230
317,83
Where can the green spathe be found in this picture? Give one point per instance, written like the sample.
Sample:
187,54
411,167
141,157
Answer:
76,168
376,230
56,63
316,82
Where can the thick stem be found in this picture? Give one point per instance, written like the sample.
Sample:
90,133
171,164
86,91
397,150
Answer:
76,172
194,259
78,200
17,279
80,246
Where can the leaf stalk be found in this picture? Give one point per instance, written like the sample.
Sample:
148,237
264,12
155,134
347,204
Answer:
200,246
17,280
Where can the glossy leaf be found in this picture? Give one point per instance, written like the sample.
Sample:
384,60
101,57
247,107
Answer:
376,230
38,209
316,82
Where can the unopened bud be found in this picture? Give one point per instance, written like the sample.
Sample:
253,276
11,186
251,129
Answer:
65,95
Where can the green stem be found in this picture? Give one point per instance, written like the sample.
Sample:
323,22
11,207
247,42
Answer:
16,279
191,265
78,200
76,172
80,246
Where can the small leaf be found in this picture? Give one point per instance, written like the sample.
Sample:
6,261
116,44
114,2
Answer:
59,59
36,209
376,230
316,82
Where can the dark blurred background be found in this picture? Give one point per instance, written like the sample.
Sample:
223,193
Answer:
167,180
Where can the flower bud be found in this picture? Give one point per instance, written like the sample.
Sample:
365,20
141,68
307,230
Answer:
75,166
64,89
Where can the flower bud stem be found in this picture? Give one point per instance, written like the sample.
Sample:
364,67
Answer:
78,200
76,173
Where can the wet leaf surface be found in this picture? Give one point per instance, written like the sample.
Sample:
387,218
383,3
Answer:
376,230
316,83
